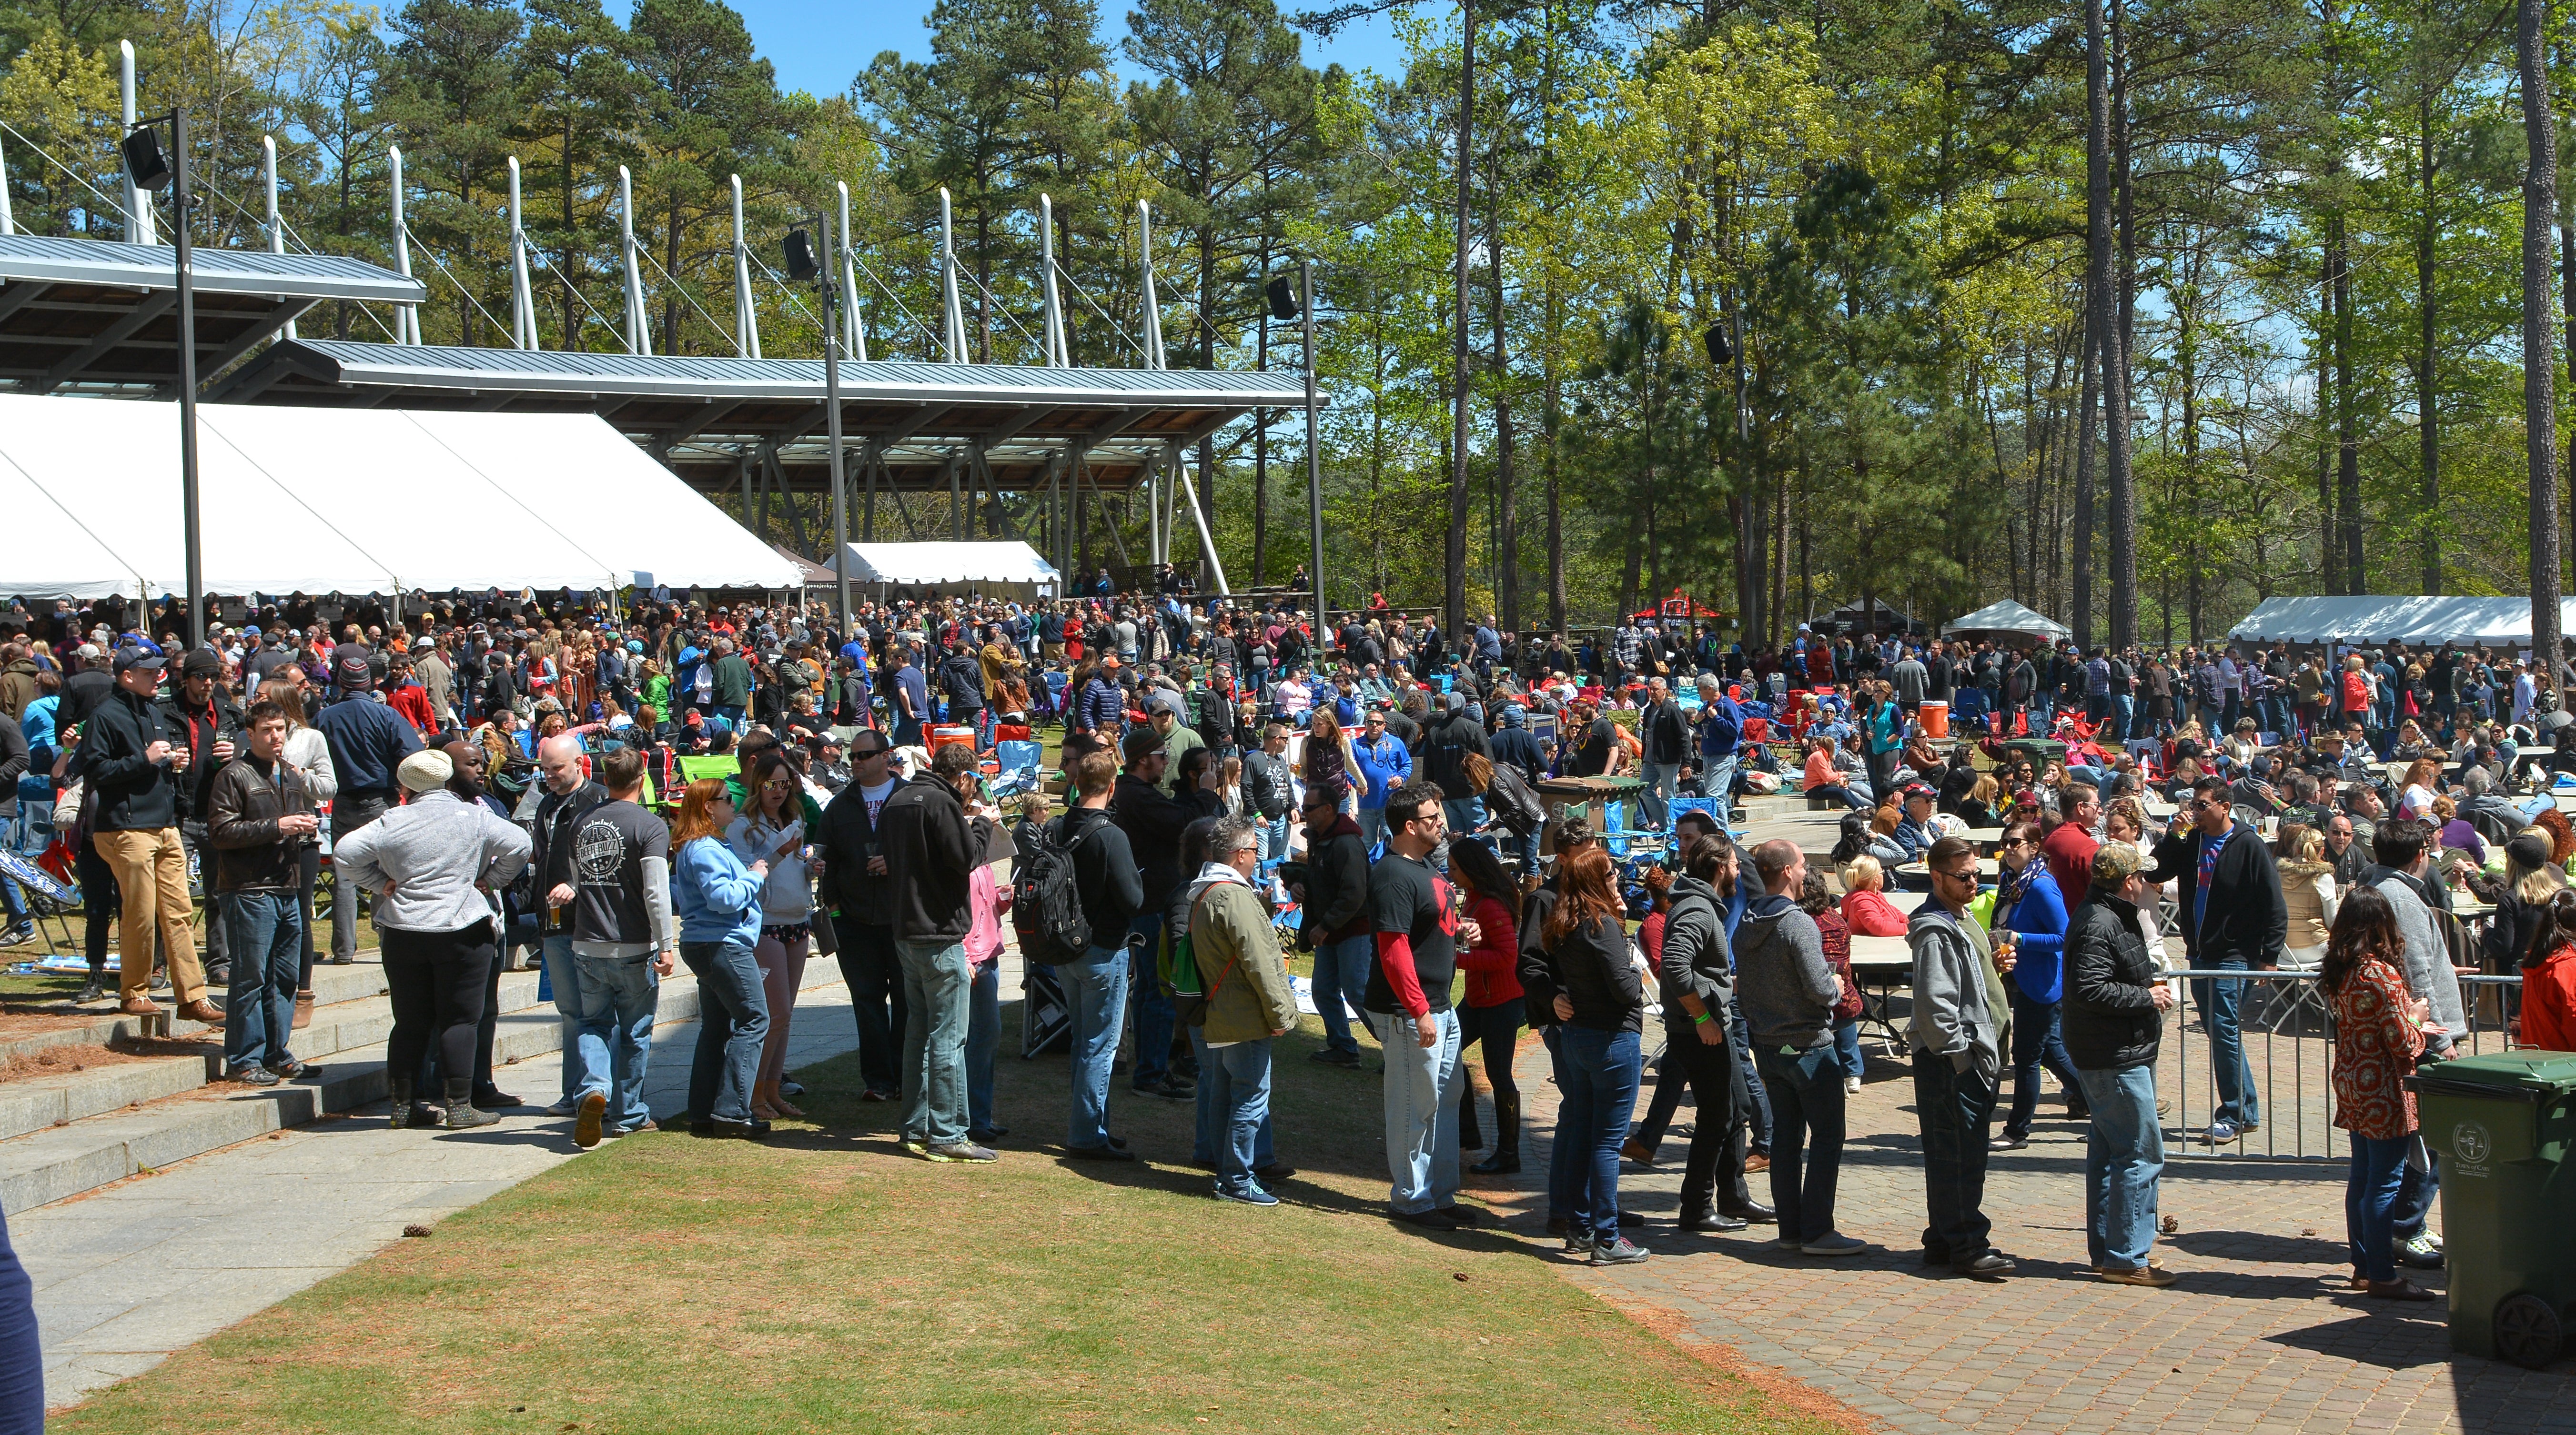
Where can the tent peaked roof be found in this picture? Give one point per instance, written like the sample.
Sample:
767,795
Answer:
2007,616
2370,618
933,563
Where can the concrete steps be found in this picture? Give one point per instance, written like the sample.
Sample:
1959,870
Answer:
64,1135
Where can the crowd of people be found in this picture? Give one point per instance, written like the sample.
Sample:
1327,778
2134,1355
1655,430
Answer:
611,791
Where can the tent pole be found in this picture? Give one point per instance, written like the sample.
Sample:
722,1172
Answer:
1198,520
956,504
868,513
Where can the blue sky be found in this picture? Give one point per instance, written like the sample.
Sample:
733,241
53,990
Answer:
819,47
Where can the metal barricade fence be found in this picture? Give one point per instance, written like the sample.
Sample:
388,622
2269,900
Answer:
2285,1027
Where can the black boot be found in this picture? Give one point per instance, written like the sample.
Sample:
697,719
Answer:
460,1105
1506,1160
1470,1138
399,1088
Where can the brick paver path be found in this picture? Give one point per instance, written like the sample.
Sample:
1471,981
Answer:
2258,1337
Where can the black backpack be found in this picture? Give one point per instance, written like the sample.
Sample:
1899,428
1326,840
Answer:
1046,905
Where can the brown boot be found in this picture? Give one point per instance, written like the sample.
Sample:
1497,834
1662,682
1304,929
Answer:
202,1010
139,1004
303,1010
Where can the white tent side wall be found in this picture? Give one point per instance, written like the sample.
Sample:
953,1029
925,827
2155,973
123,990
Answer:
581,478
2427,619
51,553
937,565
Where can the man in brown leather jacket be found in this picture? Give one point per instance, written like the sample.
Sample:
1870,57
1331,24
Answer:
260,819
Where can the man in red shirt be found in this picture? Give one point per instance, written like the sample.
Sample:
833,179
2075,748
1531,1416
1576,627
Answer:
2069,849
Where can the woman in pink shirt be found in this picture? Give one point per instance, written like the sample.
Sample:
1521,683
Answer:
988,896
1865,904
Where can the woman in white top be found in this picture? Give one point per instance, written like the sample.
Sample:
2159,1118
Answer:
2417,800
310,756
771,828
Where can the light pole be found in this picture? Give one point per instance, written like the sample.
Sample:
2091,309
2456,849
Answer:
801,266
145,165
1301,304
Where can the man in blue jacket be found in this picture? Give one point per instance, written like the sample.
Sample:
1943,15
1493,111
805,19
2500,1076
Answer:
1384,763
1721,733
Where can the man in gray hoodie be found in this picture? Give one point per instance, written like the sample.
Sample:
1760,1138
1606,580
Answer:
1958,1058
1786,990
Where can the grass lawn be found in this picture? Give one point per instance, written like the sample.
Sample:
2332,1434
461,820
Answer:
825,1281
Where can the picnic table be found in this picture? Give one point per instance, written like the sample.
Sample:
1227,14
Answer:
1879,966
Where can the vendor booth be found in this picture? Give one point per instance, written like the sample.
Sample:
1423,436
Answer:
2008,622
2426,621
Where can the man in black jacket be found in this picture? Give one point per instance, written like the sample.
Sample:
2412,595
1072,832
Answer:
13,765
1665,735
1334,923
2233,917
259,820
200,715
1095,988
134,767
2114,1023
855,887
1444,756
932,845
1153,822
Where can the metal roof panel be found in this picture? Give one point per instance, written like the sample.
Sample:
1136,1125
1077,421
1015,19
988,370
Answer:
216,271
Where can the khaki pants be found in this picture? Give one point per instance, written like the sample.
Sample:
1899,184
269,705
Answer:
152,878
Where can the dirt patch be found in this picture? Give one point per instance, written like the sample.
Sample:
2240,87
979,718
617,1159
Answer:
64,1060
18,1022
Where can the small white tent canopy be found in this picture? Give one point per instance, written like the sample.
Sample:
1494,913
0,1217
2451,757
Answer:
2430,619
2007,619
351,501
952,565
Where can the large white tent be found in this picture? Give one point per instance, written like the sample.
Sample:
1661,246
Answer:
351,501
2429,619
938,565
2005,618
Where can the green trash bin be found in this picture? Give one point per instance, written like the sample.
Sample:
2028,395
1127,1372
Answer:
2502,1124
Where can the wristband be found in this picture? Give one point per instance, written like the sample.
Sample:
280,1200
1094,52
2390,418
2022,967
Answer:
1702,1019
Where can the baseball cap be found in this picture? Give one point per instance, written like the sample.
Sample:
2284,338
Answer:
134,657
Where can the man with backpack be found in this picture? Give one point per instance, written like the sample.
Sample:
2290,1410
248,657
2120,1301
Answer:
1086,851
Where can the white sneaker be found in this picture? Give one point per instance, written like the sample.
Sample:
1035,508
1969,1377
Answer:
1851,1085
563,1108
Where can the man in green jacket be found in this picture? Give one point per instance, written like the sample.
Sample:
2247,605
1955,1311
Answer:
732,683
1249,1002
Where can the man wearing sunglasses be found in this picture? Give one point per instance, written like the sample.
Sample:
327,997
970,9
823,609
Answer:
1959,1033
2233,918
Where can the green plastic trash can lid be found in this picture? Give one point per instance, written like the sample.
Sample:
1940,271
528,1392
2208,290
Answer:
2525,1071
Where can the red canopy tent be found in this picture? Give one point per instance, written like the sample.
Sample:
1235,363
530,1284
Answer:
1680,605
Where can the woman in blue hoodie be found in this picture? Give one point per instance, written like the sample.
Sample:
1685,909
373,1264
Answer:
2029,904
718,902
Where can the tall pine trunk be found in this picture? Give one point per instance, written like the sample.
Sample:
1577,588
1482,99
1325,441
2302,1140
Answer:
2115,357
2539,357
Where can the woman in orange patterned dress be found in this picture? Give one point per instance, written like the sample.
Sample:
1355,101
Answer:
2378,1035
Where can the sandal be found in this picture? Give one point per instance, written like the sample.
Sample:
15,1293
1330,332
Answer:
781,1105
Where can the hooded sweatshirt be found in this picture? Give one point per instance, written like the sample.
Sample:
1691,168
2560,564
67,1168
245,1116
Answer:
1237,951
1956,1000
1784,987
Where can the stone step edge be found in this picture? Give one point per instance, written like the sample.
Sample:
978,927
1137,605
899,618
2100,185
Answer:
48,1166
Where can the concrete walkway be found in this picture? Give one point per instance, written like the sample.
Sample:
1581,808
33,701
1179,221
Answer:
154,1263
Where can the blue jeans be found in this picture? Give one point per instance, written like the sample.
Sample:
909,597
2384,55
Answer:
266,934
1598,1072
1234,1084
1952,1108
733,1020
1095,994
2370,1204
1341,973
1465,814
2124,715
1717,783
2419,1189
1421,1112
1847,1048
1806,1091
1754,1098
1210,1100
1657,796
1372,822
618,995
935,993
563,980
983,1043
1274,840
2124,1155
2219,1001
1154,1014
2035,1043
